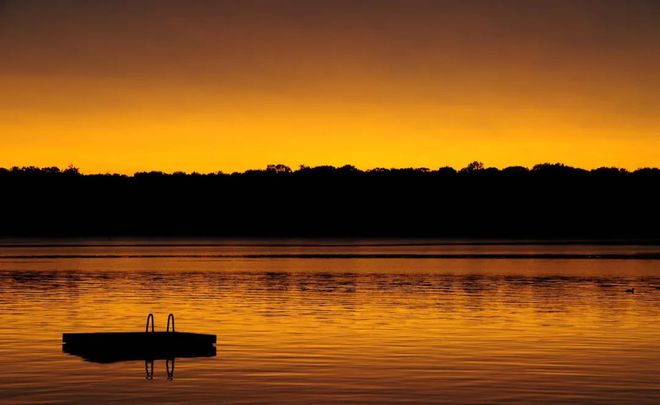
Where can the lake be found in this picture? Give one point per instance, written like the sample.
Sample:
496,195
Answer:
371,322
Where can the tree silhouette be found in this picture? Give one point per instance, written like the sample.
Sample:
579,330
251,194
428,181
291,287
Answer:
278,168
473,167
551,200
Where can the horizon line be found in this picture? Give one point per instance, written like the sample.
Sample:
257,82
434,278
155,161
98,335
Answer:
280,168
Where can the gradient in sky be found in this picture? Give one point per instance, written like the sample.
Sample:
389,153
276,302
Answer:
127,85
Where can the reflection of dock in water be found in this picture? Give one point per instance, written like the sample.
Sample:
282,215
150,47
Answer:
112,347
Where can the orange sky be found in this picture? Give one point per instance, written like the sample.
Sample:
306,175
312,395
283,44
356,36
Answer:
124,85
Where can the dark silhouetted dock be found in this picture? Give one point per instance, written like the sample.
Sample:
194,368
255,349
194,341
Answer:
108,347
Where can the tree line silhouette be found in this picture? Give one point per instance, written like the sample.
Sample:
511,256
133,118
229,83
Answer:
548,201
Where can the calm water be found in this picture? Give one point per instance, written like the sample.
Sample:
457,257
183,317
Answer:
347,323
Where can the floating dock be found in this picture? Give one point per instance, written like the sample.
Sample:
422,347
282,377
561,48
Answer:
108,347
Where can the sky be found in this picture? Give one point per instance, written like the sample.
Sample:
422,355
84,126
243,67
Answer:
132,85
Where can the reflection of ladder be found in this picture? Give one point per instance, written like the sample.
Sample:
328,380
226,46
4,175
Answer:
149,369
170,372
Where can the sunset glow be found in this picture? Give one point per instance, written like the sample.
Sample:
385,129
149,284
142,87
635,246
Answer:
207,86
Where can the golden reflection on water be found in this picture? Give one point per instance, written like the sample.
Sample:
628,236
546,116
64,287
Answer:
301,330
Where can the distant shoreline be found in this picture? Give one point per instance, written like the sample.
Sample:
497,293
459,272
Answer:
354,256
545,204
37,242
